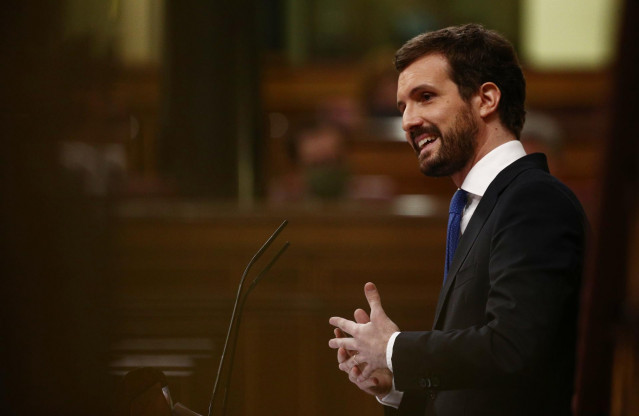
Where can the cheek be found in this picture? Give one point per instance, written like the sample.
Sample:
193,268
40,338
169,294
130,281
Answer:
445,119
445,114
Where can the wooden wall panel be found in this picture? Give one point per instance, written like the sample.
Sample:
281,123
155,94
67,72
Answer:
177,276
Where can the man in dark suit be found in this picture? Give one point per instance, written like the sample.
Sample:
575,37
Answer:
503,340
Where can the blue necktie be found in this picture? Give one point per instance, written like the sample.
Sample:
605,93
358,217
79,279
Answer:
457,205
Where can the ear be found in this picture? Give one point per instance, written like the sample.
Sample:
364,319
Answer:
488,98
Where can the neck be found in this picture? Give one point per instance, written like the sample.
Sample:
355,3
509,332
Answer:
488,139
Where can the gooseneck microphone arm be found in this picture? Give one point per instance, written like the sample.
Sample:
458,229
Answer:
234,323
229,371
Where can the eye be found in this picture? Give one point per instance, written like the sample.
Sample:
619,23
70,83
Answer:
426,96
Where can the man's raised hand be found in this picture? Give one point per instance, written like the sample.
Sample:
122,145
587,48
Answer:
380,382
368,339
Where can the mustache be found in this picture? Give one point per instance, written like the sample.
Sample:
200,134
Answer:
418,131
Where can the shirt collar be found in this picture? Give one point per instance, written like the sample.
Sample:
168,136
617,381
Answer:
488,167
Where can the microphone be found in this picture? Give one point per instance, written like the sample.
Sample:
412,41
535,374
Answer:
238,306
239,319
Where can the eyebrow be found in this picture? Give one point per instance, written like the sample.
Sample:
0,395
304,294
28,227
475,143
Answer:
419,87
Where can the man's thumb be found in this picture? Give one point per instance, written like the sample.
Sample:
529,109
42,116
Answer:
373,298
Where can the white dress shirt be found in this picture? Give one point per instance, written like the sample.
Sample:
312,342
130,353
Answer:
475,183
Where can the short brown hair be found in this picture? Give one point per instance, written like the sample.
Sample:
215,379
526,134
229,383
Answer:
475,55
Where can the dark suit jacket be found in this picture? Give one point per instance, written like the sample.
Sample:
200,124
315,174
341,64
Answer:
503,340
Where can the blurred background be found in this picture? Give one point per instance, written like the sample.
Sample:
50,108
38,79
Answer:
149,147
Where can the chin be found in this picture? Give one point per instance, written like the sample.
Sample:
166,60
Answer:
435,167
434,173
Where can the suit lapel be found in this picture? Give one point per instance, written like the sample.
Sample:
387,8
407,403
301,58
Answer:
481,215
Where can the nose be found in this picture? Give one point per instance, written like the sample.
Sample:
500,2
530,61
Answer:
410,119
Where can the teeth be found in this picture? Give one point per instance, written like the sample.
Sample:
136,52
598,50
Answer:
424,142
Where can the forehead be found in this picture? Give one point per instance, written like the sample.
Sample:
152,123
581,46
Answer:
429,69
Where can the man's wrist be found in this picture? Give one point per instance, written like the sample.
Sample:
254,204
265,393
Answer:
393,398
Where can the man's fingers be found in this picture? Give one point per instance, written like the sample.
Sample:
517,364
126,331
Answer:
368,383
365,373
350,363
342,355
354,375
344,324
361,317
347,343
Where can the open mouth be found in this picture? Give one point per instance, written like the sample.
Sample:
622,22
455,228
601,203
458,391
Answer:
425,142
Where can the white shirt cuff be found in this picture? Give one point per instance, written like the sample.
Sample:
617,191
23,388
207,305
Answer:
393,398
389,350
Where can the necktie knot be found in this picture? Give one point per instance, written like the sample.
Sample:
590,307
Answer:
458,202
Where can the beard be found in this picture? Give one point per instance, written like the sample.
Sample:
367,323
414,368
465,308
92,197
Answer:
457,146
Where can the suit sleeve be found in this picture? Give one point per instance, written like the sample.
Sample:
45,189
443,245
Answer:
533,269
412,403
